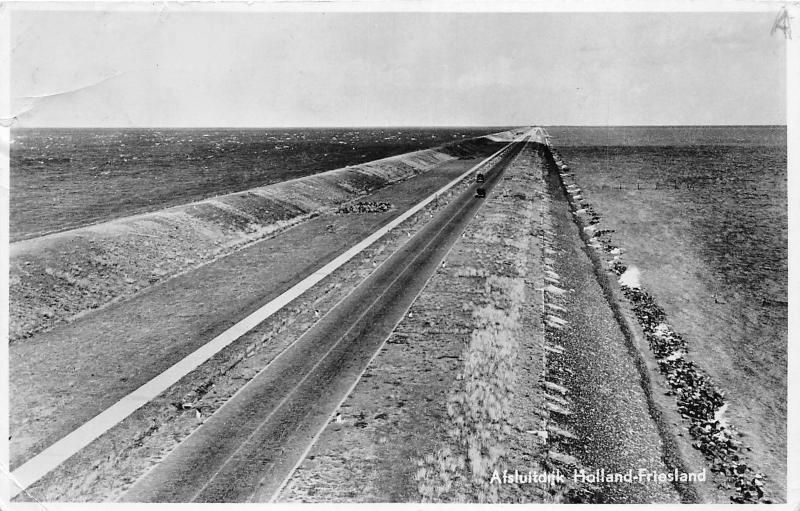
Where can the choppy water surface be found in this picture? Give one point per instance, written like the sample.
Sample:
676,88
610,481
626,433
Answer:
65,178
703,212
729,180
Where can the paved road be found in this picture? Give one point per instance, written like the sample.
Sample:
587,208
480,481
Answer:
250,446
62,378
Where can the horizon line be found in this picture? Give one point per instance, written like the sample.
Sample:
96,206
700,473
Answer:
431,126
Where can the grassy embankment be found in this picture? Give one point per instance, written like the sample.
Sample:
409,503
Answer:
64,179
60,277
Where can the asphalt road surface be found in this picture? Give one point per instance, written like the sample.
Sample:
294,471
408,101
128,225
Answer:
62,378
250,446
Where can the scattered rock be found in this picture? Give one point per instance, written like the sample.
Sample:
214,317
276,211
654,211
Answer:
699,400
365,207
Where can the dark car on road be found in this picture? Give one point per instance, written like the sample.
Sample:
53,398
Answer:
480,178
480,192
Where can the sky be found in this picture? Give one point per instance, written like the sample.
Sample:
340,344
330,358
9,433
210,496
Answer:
177,68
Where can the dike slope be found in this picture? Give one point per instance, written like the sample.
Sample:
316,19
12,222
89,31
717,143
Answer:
62,276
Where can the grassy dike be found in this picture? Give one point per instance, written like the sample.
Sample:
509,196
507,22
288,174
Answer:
60,277
455,394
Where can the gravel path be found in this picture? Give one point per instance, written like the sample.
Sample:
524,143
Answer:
610,414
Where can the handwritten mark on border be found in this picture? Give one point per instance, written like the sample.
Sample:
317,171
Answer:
782,23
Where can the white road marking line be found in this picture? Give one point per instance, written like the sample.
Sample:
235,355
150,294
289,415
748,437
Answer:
57,453
322,359
352,387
